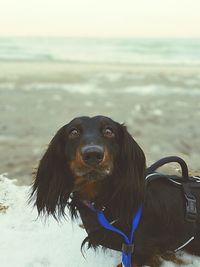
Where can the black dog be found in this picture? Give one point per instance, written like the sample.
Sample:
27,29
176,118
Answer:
97,160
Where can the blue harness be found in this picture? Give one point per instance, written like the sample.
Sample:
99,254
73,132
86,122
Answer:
127,246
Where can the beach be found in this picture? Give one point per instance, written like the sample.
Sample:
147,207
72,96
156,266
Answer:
158,103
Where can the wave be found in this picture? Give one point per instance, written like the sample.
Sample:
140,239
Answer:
94,50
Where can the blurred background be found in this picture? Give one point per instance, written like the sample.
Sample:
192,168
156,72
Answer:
137,62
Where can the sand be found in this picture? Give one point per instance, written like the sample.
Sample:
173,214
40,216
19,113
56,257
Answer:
159,104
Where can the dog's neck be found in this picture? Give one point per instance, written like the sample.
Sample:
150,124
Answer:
87,190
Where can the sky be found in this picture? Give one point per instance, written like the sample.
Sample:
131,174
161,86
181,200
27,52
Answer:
100,18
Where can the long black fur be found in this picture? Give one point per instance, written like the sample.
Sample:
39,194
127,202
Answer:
163,226
53,181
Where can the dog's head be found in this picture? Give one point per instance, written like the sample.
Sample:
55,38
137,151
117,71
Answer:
84,154
94,147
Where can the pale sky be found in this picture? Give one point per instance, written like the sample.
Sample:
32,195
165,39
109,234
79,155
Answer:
103,18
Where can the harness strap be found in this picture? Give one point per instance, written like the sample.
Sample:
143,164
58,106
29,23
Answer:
191,204
185,244
166,160
127,246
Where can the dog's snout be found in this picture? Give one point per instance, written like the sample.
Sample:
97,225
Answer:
92,155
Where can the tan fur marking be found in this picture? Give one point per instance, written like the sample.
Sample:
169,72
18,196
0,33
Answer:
107,159
77,162
86,189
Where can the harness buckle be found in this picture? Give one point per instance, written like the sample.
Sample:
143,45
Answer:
191,208
127,248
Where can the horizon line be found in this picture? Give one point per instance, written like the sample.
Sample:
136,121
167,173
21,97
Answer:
99,37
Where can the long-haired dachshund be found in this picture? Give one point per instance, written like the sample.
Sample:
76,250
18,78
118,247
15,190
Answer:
96,159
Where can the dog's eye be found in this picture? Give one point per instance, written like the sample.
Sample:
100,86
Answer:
74,133
108,132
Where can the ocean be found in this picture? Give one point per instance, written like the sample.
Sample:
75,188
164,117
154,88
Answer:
99,50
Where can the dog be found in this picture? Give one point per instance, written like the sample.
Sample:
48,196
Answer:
95,159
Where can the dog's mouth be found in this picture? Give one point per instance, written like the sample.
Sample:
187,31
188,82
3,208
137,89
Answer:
93,174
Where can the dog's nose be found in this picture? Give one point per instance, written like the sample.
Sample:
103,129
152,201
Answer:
92,155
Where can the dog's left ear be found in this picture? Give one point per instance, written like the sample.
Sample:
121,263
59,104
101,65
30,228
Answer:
53,180
132,161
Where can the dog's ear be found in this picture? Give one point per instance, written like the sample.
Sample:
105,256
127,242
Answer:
132,164
53,180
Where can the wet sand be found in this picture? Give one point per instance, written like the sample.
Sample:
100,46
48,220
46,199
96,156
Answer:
159,104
